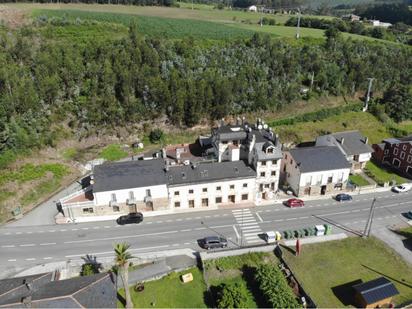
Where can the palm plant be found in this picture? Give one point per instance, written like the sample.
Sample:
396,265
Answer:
122,260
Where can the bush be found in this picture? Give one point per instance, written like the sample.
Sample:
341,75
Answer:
274,287
232,295
156,136
89,269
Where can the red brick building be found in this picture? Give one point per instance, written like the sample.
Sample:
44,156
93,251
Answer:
396,153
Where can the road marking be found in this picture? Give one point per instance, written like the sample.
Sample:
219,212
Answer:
107,226
252,223
63,230
29,232
7,233
27,245
12,260
40,232
47,258
149,222
255,240
182,219
18,233
75,229
188,230
96,228
279,220
85,228
159,221
249,234
187,243
120,237
199,228
247,220
237,234
111,252
30,259
51,231
303,217
47,244
175,245
237,210
8,246
250,227
259,217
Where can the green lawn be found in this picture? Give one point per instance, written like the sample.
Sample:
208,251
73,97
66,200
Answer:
170,292
358,180
322,267
382,175
113,152
308,131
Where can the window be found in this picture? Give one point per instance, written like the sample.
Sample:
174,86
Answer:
272,186
88,210
148,192
409,159
262,174
219,188
274,162
263,163
224,142
404,147
176,193
266,185
402,155
273,173
270,150
204,190
286,156
190,191
191,203
291,161
235,143
395,151
386,151
330,178
116,208
218,200
114,199
261,187
245,185
284,168
232,187
205,202
245,197
177,204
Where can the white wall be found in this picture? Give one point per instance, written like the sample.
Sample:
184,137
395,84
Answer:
338,176
364,157
103,198
211,193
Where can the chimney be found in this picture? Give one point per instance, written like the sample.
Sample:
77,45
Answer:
243,120
276,140
252,143
342,140
366,140
163,153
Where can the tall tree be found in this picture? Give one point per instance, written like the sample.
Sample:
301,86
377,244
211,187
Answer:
122,260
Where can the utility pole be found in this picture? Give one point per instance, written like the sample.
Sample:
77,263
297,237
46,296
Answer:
368,95
368,226
298,26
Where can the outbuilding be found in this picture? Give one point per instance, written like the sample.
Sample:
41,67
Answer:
375,293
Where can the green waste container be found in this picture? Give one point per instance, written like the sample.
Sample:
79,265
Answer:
328,229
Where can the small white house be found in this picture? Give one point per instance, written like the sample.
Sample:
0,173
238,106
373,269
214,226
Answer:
353,145
252,8
315,170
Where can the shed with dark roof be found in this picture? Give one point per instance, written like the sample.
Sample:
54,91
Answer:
375,293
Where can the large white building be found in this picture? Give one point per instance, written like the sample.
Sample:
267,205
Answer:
315,170
237,164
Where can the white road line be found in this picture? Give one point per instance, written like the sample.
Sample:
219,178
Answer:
111,252
246,220
30,259
175,245
75,229
188,230
96,228
199,228
303,217
12,260
149,222
187,243
279,220
47,244
63,230
85,228
120,237
250,227
237,210
7,233
181,219
237,234
8,246
18,233
29,232
252,223
224,215
205,217
251,231
259,217
51,231
159,221
47,258
250,234
27,245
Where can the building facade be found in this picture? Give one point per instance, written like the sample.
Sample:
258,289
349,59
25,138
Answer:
315,170
395,153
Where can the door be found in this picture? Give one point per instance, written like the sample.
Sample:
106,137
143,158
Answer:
322,190
132,208
231,198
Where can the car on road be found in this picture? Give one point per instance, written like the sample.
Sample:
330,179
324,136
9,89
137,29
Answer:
295,202
402,188
409,214
343,197
213,242
134,217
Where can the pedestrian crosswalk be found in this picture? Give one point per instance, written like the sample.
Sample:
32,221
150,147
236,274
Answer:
249,228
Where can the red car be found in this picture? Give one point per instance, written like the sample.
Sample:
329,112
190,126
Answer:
294,202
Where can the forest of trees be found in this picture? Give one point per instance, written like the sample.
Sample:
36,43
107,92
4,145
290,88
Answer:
392,13
117,83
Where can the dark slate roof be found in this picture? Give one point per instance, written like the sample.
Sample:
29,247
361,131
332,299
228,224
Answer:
95,291
130,174
376,290
354,142
319,158
209,172
230,132
406,139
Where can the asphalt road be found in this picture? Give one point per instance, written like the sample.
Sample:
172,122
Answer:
22,247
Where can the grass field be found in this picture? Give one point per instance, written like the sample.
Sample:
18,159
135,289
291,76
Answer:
323,267
381,175
358,180
170,292
308,131
113,152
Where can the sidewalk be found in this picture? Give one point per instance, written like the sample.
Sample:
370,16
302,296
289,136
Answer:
395,241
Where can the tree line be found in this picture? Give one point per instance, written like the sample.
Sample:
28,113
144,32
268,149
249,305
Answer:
44,83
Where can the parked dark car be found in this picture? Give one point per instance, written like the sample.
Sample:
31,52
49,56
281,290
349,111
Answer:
294,202
213,242
343,197
135,217
409,214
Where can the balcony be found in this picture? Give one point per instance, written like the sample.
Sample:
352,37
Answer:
113,203
131,201
148,199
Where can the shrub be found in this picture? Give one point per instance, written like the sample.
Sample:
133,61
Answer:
89,269
156,136
274,287
232,295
